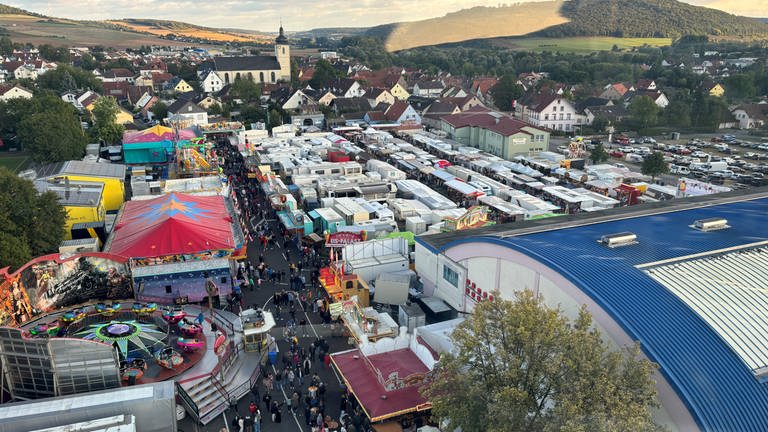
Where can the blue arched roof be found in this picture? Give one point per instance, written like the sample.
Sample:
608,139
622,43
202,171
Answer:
720,391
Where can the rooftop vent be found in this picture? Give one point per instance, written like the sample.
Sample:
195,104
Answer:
710,224
618,239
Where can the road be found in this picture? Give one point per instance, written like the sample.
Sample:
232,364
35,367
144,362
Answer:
262,297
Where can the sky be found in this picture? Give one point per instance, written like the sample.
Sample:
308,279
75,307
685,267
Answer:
296,15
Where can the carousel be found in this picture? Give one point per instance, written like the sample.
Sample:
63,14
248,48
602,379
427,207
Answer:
152,344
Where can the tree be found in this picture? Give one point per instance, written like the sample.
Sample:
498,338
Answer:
50,129
30,224
598,154
654,165
600,123
105,128
324,74
740,87
6,46
520,366
66,77
246,90
214,109
644,111
506,91
159,110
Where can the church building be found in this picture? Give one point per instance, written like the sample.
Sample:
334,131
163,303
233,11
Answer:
260,69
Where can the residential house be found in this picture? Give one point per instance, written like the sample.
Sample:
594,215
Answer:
181,86
494,132
160,81
116,89
714,89
453,92
658,97
481,87
26,71
376,96
118,75
345,88
613,114
646,84
433,114
614,92
323,97
260,69
212,82
122,117
137,93
185,113
206,102
145,80
299,101
751,116
349,105
8,92
550,111
401,112
464,103
375,117
430,89
390,79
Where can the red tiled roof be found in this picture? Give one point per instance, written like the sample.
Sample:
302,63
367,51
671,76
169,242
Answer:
484,84
362,379
158,78
375,116
620,88
396,110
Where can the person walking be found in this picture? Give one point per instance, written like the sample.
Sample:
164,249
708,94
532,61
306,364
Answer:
257,420
252,408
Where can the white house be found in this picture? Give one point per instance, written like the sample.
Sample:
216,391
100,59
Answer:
551,112
298,100
26,72
13,92
212,83
346,88
402,112
751,116
428,88
185,113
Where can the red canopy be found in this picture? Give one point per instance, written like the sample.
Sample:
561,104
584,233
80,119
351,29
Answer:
173,224
361,376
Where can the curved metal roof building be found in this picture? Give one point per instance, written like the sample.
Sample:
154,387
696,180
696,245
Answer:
696,300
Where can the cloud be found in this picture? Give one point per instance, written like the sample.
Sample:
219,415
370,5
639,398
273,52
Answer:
266,15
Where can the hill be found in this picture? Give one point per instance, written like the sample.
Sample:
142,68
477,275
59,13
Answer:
650,18
179,29
619,18
467,24
29,27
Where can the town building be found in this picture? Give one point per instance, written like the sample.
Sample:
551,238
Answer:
260,69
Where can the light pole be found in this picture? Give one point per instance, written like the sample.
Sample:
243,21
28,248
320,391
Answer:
266,110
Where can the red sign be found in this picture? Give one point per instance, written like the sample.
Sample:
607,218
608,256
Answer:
342,238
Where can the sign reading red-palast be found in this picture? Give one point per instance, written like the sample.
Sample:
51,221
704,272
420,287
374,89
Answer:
341,238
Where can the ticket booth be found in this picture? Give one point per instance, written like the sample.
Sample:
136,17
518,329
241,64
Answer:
256,324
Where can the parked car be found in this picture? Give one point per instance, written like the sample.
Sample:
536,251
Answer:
616,154
699,154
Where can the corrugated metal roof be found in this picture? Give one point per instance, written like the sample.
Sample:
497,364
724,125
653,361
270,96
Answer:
718,387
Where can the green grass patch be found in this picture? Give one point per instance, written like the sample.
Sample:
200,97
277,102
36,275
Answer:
582,44
15,161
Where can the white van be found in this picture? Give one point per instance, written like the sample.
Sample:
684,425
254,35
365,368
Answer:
634,158
679,169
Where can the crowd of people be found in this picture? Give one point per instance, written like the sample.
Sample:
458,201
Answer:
292,385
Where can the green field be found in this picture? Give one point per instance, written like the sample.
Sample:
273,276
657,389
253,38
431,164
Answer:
579,44
14,161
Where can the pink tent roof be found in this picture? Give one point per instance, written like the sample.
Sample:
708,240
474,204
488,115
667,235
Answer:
172,224
155,134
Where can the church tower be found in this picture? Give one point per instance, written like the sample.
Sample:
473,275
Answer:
283,54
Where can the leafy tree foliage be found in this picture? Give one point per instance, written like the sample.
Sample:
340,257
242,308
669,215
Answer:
246,90
644,111
740,87
214,109
159,110
520,366
324,74
506,91
598,154
654,165
50,129
30,224
54,54
6,46
66,77
105,128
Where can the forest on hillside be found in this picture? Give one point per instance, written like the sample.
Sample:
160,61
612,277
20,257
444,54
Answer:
650,18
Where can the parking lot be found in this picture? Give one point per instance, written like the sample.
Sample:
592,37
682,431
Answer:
735,161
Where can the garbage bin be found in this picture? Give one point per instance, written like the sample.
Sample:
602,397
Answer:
273,357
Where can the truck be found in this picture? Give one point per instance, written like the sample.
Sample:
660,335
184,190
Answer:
715,166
